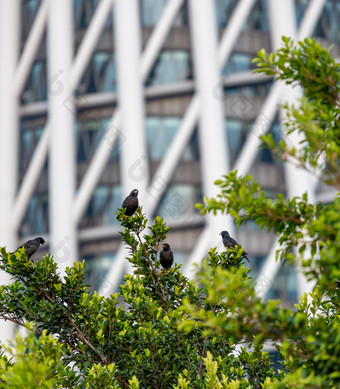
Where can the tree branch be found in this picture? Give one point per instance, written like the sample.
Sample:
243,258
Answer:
12,320
84,340
160,292
202,355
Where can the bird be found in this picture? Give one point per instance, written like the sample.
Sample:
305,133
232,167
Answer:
131,203
166,256
31,247
231,243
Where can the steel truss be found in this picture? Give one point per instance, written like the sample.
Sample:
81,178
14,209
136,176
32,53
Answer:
67,206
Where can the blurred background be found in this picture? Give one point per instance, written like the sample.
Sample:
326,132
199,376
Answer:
98,97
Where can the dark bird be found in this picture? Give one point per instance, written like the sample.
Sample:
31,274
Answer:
166,256
31,247
131,203
231,243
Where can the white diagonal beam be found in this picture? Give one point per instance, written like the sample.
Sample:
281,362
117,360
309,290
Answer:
30,49
265,118
263,122
30,179
307,27
134,172
214,152
169,162
130,96
206,239
268,272
103,152
9,131
298,181
62,160
36,165
165,171
89,41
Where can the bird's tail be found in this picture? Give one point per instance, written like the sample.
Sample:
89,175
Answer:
245,256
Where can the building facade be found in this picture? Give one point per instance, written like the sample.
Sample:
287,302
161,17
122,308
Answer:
100,96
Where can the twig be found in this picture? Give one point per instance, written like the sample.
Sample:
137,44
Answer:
161,293
202,354
88,344
74,347
12,320
84,340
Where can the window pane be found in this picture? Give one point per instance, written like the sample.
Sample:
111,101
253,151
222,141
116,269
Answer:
171,66
178,201
100,75
151,11
224,9
160,133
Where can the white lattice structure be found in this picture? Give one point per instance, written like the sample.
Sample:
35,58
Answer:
134,64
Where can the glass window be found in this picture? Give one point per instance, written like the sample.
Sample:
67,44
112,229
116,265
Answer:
97,269
35,88
151,11
258,18
177,201
90,131
182,18
36,217
100,75
265,154
179,257
224,9
29,139
236,135
110,134
104,68
234,131
328,24
103,205
83,11
171,66
260,90
285,286
33,6
28,12
106,201
160,133
192,151
238,62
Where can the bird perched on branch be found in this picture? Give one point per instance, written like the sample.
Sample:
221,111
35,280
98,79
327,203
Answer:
231,243
131,203
166,256
31,246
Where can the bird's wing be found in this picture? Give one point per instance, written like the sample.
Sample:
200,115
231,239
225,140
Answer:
27,244
230,243
31,246
24,245
244,253
233,241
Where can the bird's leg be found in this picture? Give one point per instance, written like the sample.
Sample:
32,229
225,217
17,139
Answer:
32,263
